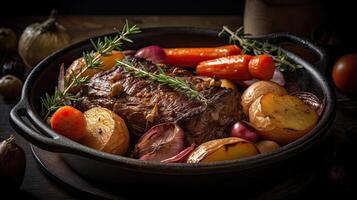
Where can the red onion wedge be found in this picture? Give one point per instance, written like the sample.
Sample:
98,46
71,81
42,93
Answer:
152,53
311,100
161,142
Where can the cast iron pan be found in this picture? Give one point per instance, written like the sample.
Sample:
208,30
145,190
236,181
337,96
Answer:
25,118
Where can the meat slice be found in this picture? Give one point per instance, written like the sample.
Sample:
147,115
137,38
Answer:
143,104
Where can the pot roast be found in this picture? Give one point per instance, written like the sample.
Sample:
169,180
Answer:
142,104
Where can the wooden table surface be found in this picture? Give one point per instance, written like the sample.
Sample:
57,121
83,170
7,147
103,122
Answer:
36,185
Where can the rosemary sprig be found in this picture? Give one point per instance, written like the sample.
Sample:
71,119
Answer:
175,83
93,61
250,45
107,44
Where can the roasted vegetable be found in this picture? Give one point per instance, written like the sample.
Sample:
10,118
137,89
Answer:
256,90
108,61
281,118
191,57
230,67
242,130
160,143
266,146
228,84
105,131
262,67
69,122
153,53
230,148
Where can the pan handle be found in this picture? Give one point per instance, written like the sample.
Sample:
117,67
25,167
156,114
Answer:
26,130
276,38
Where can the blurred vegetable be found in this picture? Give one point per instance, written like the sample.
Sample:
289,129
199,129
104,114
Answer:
262,67
69,122
256,90
281,118
14,67
106,131
191,57
108,62
230,67
41,39
10,87
161,142
242,130
228,84
343,73
230,148
8,41
310,99
153,53
12,164
266,146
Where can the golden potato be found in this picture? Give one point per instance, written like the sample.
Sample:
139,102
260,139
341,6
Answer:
109,61
223,149
256,90
281,118
105,131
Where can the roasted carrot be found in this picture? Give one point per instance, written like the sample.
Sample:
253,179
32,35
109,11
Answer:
191,57
69,122
230,67
262,67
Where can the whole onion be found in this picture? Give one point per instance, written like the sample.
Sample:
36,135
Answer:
153,53
8,41
161,142
12,164
41,39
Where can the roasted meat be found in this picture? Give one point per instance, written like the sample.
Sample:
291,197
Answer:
142,104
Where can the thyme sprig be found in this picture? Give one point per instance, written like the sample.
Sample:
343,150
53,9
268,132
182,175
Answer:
250,45
92,59
160,77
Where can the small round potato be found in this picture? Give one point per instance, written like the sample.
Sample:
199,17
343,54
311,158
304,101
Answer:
106,131
258,89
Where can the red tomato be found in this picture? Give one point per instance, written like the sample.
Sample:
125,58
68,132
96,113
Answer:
344,73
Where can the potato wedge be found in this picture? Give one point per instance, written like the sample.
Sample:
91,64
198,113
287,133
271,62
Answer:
230,148
256,90
105,131
281,118
109,61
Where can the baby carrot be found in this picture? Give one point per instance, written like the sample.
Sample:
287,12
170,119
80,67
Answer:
69,122
191,57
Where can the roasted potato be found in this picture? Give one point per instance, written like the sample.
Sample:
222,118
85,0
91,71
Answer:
266,146
281,118
230,148
109,61
105,131
256,90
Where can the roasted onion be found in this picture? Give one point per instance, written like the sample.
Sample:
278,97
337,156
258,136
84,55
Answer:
311,100
12,164
152,53
161,142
